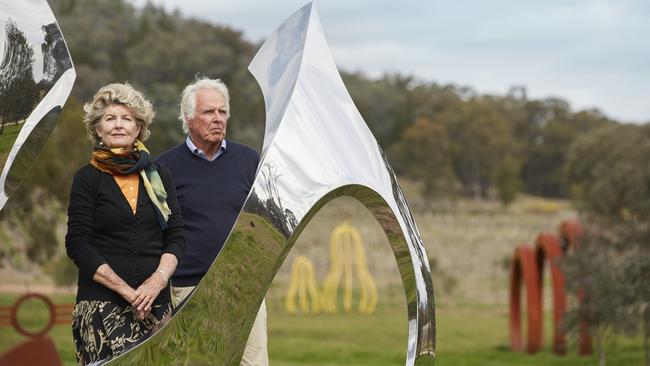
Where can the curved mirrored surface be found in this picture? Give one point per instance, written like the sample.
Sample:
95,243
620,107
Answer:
36,77
317,147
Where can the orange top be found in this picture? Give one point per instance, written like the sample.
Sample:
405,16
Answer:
129,186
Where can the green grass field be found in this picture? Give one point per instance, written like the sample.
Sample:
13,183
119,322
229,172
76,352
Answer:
469,243
466,335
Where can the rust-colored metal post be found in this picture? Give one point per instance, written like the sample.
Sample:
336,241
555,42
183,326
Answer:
524,269
547,249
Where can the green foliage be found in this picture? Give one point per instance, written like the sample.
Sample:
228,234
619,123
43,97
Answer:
18,90
37,222
609,172
62,270
424,153
610,177
507,180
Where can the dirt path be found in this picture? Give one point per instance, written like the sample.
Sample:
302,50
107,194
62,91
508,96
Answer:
13,288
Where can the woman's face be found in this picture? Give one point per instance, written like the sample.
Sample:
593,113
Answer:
118,127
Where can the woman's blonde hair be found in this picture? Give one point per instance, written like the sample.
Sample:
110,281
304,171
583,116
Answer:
125,95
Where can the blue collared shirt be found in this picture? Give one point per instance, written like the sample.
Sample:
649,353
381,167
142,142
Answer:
200,153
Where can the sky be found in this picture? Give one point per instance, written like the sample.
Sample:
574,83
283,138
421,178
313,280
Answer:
593,53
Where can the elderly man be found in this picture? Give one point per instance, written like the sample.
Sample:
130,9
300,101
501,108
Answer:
213,177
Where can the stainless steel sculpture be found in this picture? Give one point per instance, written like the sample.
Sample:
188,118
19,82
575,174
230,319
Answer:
36,77
316,148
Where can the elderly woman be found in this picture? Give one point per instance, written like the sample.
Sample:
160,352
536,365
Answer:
125,231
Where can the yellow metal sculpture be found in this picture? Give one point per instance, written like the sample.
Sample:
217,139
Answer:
303,283
347,254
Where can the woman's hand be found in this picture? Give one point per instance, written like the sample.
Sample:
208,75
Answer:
105,276
149,290
147,293
130,295
127,293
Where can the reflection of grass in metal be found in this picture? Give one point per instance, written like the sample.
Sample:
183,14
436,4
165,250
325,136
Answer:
200,333
7,139
30,149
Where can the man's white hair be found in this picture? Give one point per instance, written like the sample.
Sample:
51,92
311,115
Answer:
188,98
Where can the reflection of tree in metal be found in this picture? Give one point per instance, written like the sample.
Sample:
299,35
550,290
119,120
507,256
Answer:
317,147
281,217
18,90
347,255
55,53
34,85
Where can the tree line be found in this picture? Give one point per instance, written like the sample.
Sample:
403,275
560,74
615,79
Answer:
452,140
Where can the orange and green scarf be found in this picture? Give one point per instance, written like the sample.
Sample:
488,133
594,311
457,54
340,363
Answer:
120,161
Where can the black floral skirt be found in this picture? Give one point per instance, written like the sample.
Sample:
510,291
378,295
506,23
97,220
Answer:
104,329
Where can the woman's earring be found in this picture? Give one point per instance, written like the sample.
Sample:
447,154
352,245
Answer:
135,146
101,143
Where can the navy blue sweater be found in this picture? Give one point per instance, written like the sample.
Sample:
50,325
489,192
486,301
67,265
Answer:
211,194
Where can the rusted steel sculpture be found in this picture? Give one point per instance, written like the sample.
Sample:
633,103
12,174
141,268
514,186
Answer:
547,249
528,267
524,270
58,314
39,349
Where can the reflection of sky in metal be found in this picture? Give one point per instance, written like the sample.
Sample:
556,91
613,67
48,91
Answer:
320,142
29,16
313,149
285,48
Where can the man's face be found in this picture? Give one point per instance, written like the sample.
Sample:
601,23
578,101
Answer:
208,126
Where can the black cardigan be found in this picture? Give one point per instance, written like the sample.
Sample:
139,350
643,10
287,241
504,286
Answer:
103,229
